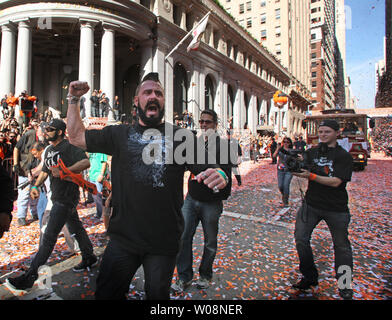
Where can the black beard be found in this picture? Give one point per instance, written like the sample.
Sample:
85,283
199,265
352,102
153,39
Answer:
150,122
54,138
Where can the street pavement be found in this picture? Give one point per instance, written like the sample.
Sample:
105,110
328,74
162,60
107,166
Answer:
256,258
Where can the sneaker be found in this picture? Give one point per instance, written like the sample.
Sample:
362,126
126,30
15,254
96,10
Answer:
22,222
84,265
23,282
305,284
180,285
346,294
203,283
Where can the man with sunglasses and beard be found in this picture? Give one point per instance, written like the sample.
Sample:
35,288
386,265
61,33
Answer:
65,197
203,205
146,225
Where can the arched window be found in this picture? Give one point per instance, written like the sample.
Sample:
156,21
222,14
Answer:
180,101
209,93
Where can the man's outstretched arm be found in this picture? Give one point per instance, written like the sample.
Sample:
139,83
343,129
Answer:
75,126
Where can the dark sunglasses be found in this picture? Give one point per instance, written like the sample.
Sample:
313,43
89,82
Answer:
206,121
49,129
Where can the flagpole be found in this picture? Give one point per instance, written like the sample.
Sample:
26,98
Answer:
187,36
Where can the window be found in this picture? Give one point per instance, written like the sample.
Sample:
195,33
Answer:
314,55
263,4
263,18
314,74
277,31
278,48
242,10
313,36
313,46
277,13
314,64
249,6
263,34
314,84
249,23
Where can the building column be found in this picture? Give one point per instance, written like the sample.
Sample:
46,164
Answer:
23,58
237,108
169,90
7,60
218,103
146,63
224,117
202,92
86,59
252,114
107,77
54,85
194,94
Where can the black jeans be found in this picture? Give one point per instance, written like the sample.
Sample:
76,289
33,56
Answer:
60,215
118,267
338,225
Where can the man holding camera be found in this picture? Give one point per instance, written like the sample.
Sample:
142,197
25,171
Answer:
329,170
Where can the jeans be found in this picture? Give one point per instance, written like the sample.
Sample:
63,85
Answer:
119,265
338,225
208,213
60,215
98,198
24,201
284,180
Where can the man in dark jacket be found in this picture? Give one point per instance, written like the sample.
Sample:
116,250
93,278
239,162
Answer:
205,205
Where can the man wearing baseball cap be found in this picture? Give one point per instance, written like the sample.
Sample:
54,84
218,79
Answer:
329,168
65,197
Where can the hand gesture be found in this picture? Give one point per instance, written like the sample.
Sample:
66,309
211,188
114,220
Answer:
78,88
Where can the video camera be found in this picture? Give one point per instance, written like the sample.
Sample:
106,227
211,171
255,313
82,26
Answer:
26,105
293,162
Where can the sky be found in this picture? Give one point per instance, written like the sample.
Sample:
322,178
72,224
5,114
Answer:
364,47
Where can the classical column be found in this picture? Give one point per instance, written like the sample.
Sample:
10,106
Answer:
169,90
252,114
7,60
23,58
86,59
225,106
54,85
202,92
146,58
108,67
238,102
194,96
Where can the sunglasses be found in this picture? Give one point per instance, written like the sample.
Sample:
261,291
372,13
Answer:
206,121
49,129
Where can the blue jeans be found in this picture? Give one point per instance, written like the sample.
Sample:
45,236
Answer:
24,200
98,198
338,225
284,180
119,265
208,213
59,215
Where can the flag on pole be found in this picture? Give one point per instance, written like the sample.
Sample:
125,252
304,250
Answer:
197,33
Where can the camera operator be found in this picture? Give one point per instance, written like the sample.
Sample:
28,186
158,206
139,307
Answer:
326,199
284,174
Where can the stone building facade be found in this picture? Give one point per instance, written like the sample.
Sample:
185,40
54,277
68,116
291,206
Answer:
112,44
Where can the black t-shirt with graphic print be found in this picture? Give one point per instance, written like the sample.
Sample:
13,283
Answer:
336,162
147,191
63,191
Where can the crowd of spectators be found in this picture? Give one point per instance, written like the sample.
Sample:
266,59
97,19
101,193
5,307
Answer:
381,136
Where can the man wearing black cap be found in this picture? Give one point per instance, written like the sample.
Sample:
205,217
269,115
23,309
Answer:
329,170
65,197
146,225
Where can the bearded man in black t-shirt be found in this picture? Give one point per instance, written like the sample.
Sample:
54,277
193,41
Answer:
65,197
330,168
147,189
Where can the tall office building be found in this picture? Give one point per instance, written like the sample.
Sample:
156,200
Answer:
384,81
325,55
341,81
283,27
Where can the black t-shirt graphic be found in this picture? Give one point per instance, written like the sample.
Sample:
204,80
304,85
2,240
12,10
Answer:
147,195
63,191
337,162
